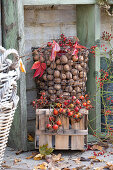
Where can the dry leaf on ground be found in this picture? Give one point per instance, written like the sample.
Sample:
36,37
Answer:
92,157
84,159
19,152
80,167
6,166
17,160
97,147
56,158
77,160
31,156
96,160
109,165
38,157
42,166
99,168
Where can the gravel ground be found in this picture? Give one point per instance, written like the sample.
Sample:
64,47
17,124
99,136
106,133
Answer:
69,157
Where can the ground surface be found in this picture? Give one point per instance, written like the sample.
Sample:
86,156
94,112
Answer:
71,160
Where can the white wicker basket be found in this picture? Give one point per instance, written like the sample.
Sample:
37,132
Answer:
9,74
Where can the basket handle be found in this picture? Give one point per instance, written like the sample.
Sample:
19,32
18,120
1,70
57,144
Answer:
5,54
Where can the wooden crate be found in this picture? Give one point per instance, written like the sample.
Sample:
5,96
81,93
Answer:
71,135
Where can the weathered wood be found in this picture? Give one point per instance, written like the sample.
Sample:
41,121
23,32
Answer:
76,131
9,40
57,2
0,25
13,37
88,31
71,132
22,90
77,142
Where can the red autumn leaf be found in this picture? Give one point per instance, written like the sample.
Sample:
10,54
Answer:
43,65
36,65
41,73
37,72
40,67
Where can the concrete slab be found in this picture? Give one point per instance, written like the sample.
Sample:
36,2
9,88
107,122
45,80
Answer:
69,157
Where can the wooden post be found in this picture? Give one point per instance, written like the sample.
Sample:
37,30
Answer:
12,26
0,25
88,31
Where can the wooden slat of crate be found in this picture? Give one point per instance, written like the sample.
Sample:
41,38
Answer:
44,139
62,142
77,142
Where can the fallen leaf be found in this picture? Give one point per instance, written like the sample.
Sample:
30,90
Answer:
17,160
6,166
38,157
109,165
97,147
29,157
80,167
30,138
19,152
92,157
84,159
44,150
96,160
99,168
77,160
56,158
42,166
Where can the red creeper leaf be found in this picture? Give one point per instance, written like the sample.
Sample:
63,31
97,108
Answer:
41,73
37,72
36,65
43,65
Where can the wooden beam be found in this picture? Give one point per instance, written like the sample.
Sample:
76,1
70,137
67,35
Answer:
22,85
9,40
13,37
0,25
57,2
88,30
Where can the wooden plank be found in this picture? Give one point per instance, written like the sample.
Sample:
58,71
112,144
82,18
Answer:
9,39
62,142
70,132
0,25
88,31
22,85
57,2
43,138
77,142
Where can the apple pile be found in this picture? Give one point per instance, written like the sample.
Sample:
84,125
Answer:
69,108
